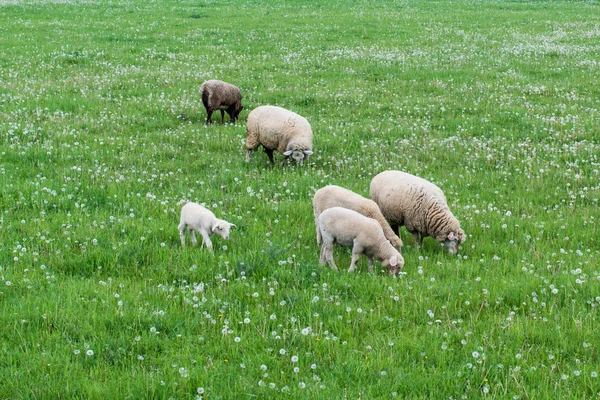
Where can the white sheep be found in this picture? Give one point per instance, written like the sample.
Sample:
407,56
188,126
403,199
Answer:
419,205
196,218
223,96
336,196
276,128
349,228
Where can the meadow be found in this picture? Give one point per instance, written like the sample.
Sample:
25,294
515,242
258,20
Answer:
102,140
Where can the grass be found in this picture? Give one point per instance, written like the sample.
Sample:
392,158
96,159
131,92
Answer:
494,101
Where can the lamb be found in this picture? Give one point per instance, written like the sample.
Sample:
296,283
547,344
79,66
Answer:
219,95
419,205
349,228
198,219
276,128
336,196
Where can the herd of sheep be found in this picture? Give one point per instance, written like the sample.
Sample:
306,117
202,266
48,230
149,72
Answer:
370,227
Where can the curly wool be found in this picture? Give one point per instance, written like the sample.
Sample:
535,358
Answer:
419,205
276,128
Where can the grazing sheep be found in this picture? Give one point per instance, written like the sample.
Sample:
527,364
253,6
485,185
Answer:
336,196
219,95
349,228
198,219
276,128
419,205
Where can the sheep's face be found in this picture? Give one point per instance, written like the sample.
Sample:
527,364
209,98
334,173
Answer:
453,241
393,264
298,155
451,246
236,113
222,229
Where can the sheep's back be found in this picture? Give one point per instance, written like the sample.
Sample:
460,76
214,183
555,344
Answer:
337,196
195,215
219,92
400,195
345,225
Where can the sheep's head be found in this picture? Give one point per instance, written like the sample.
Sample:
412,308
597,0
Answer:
222,228
394,264
236,112
298,155
453,240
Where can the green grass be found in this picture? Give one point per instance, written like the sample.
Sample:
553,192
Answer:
494,101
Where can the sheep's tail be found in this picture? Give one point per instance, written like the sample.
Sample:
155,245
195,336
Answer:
205,96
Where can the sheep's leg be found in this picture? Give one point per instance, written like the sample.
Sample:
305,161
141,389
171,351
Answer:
205,101
222,116
270,154
322,256
252,141
182,228
356,253
206,240
418,239
209,112
193,236
328,248
370,264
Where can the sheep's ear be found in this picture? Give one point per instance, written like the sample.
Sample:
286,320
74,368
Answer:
308,152
394,261
451,236
287,153
215,227
232,226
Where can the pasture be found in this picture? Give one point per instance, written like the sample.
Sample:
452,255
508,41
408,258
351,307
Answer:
102,140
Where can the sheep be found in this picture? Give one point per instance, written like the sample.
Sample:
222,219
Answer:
336,196
196,218
223,96
349,228
276,128
419,205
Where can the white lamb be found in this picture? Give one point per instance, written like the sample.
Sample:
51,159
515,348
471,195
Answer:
276,128
336,196
349,228
419,205
198,219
